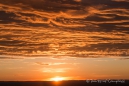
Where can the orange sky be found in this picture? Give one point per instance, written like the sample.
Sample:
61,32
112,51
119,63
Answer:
67,39
46,68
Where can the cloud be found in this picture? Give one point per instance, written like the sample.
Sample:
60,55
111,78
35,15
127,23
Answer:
77,0
123,58
56,70
121,0
10,57
49,64
82,28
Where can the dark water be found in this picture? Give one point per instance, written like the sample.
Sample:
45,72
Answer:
62,83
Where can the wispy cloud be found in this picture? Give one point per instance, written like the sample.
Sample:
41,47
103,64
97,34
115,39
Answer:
81,28
56,70
10,57
49,64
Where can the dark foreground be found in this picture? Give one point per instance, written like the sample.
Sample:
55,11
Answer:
66,83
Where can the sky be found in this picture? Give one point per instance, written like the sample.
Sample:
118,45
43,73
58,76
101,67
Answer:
64,36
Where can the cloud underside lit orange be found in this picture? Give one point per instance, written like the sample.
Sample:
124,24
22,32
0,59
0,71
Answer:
56,40
78,28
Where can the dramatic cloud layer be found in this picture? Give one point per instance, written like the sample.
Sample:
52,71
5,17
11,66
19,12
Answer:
78,28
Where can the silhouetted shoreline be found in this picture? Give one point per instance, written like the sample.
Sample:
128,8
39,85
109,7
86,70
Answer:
63,83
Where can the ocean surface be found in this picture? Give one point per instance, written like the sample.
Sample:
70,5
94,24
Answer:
64,83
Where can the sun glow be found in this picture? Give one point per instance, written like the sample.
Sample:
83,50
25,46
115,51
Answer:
57,79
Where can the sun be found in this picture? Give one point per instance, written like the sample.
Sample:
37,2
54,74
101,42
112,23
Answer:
57,78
